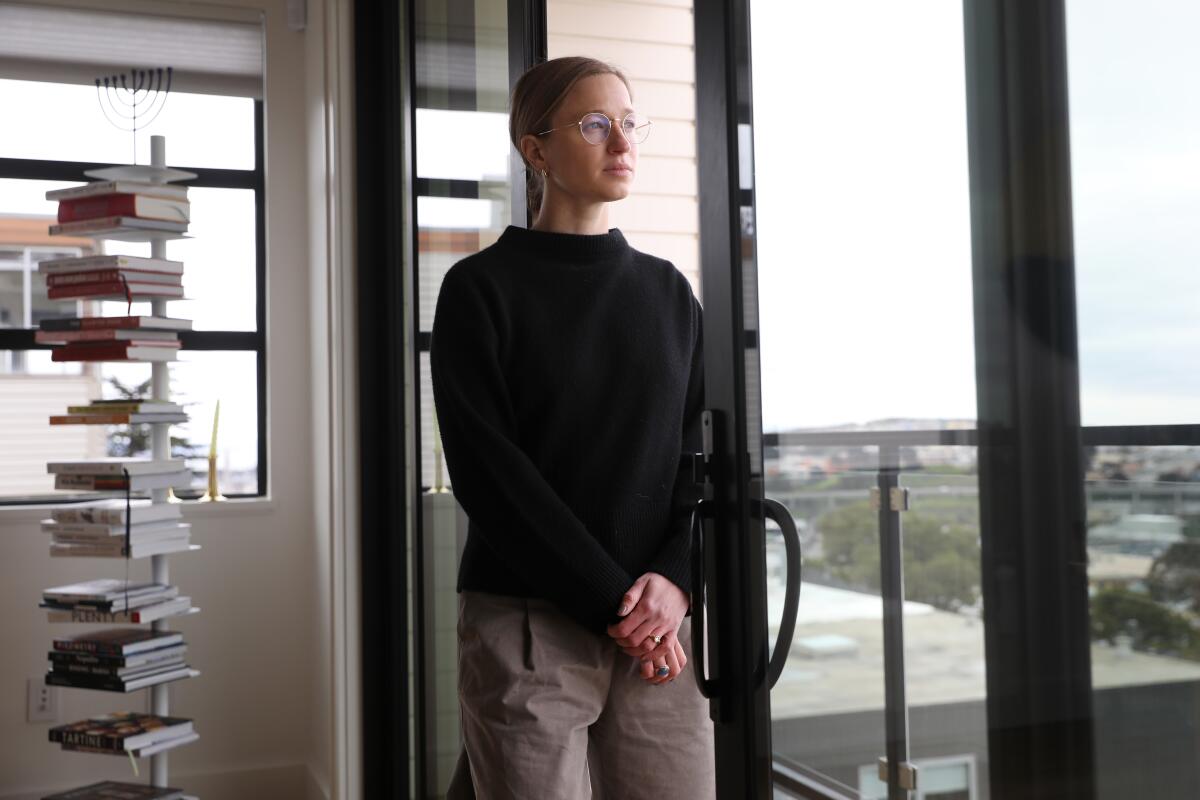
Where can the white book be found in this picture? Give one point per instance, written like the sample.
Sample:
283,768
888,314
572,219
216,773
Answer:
112,483
117,187
155,534
115,223
65,266
102,531
116,466
112,512
139,550
168,608
101,590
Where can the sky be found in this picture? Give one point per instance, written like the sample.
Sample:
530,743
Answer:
862,218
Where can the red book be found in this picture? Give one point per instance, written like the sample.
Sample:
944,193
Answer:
116,351
124,205
103,323
114,289
104,335
108,275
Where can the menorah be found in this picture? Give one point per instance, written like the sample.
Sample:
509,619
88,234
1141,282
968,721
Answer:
126,92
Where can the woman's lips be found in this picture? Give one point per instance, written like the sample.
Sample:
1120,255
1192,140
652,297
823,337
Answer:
622,170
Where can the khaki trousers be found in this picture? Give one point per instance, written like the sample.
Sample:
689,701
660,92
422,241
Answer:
552,711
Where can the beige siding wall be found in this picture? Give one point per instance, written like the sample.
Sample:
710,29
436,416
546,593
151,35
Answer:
29,440
652,43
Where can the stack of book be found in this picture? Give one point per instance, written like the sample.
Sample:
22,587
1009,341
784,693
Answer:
125,732
113,601
121,412
114,790
112,338
103,531
109,205
118,660
112,276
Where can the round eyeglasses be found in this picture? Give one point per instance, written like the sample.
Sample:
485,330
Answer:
596,127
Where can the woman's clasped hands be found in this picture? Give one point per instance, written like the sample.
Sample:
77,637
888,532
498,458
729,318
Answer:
653,606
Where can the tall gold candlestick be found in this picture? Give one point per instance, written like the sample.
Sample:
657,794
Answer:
213,494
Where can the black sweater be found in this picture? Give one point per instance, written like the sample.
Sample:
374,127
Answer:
568,380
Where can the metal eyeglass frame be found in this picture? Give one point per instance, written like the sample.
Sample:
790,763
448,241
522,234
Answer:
611,123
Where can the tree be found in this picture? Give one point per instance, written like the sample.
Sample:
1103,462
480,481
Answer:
1149,626
128,441
941,560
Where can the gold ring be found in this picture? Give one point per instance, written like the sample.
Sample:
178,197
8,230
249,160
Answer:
657,639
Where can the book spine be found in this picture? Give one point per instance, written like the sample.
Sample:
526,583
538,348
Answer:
90,323
106,275
93,616
85,528
85,660
89,419
112,205
102,352
74,740
91,648
108,684
96,516
102,289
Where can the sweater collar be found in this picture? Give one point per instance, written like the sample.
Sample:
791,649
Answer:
568,248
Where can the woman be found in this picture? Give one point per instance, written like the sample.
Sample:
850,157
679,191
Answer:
567,377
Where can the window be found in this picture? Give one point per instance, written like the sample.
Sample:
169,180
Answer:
213,124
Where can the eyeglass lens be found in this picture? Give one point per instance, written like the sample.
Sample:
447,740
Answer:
595,128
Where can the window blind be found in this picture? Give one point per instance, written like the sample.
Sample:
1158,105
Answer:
69,45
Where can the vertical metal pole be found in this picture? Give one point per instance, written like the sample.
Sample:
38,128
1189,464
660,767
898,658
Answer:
160,697
891,566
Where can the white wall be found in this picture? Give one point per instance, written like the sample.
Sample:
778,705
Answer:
263,705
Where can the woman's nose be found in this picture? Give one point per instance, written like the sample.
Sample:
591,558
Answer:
617,142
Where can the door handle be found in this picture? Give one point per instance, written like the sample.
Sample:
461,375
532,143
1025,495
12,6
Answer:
708,686
778,512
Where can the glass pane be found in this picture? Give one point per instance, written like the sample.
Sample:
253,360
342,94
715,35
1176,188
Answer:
1135,165
198,380
461,135
219,278
202,130
866,337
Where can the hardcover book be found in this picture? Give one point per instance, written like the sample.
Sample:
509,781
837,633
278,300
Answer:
112,187
66,266
114,223
91,323
142,206
110,684
112,512
118,642
121,731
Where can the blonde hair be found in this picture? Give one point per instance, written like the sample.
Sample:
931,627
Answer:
537,95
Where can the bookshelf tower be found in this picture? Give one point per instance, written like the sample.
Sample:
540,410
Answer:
116,213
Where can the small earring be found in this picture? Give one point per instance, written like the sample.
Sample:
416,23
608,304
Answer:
543,174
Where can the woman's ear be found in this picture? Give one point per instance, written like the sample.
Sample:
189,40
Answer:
531,149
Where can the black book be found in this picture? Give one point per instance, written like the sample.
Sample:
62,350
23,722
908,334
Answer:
108,683
117,662
118,641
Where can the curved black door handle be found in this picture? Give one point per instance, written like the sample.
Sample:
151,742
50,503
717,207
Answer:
708,686
791,599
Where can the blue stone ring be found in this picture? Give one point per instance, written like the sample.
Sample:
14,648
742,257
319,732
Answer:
663,671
